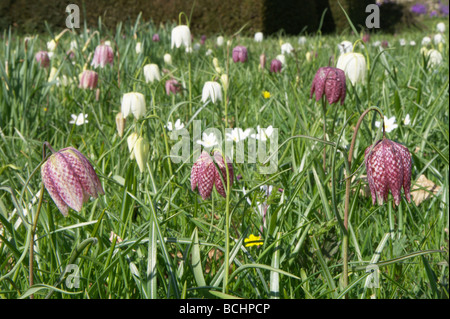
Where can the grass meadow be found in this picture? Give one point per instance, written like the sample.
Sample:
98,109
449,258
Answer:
151,236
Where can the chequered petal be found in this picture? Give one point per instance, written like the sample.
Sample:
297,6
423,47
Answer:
65,181
393,170
51,188
220,187
206,176
407,164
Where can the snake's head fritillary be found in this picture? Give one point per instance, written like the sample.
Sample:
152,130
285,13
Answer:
388,167
70,179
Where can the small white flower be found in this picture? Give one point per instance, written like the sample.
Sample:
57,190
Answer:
79,120
402,42
196,46
345,47
412,43
281,58
178,125
209,52
440,27
267,190
138,48
213,91
302,40
407,120
259,36
434,58
237,134
426,41
167,58
208,140
220,40
73,45
438,38
286,48
376,43
262,134
51,45
389,124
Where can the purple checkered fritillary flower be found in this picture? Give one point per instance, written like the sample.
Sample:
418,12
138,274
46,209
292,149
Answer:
70,179
388,168
205,175
331,82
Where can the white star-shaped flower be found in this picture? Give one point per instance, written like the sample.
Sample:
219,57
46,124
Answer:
263,133
79,120
178,125
389,124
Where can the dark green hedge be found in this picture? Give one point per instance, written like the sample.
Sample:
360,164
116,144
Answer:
208,16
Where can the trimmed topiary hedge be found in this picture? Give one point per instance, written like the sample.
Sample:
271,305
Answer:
207,16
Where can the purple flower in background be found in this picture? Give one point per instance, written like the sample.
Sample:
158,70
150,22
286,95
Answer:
444,9
88,79
275,66
155,37
331,82
203,39
419,8
43,59
172,86
240,54
70,179
103,55
433,13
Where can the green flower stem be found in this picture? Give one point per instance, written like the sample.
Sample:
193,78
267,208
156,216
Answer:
347,191
33,230
227,228
324,109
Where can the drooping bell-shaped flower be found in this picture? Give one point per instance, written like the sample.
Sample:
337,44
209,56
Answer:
388,168
43,59
205,175
141,150
152,73
70,179
88,79
181,35
155,37
133,102
211,91
354,66
331,82
275,66
259,36
103,55
240,54
172,86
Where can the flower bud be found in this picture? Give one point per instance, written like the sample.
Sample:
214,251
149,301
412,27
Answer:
262,61
70,179
167,58
224,80
220,40
131,142
141,150
120,123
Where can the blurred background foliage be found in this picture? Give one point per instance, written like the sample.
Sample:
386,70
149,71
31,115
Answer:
291,17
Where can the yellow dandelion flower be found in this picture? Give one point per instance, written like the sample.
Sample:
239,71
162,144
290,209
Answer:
253,240
266,94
